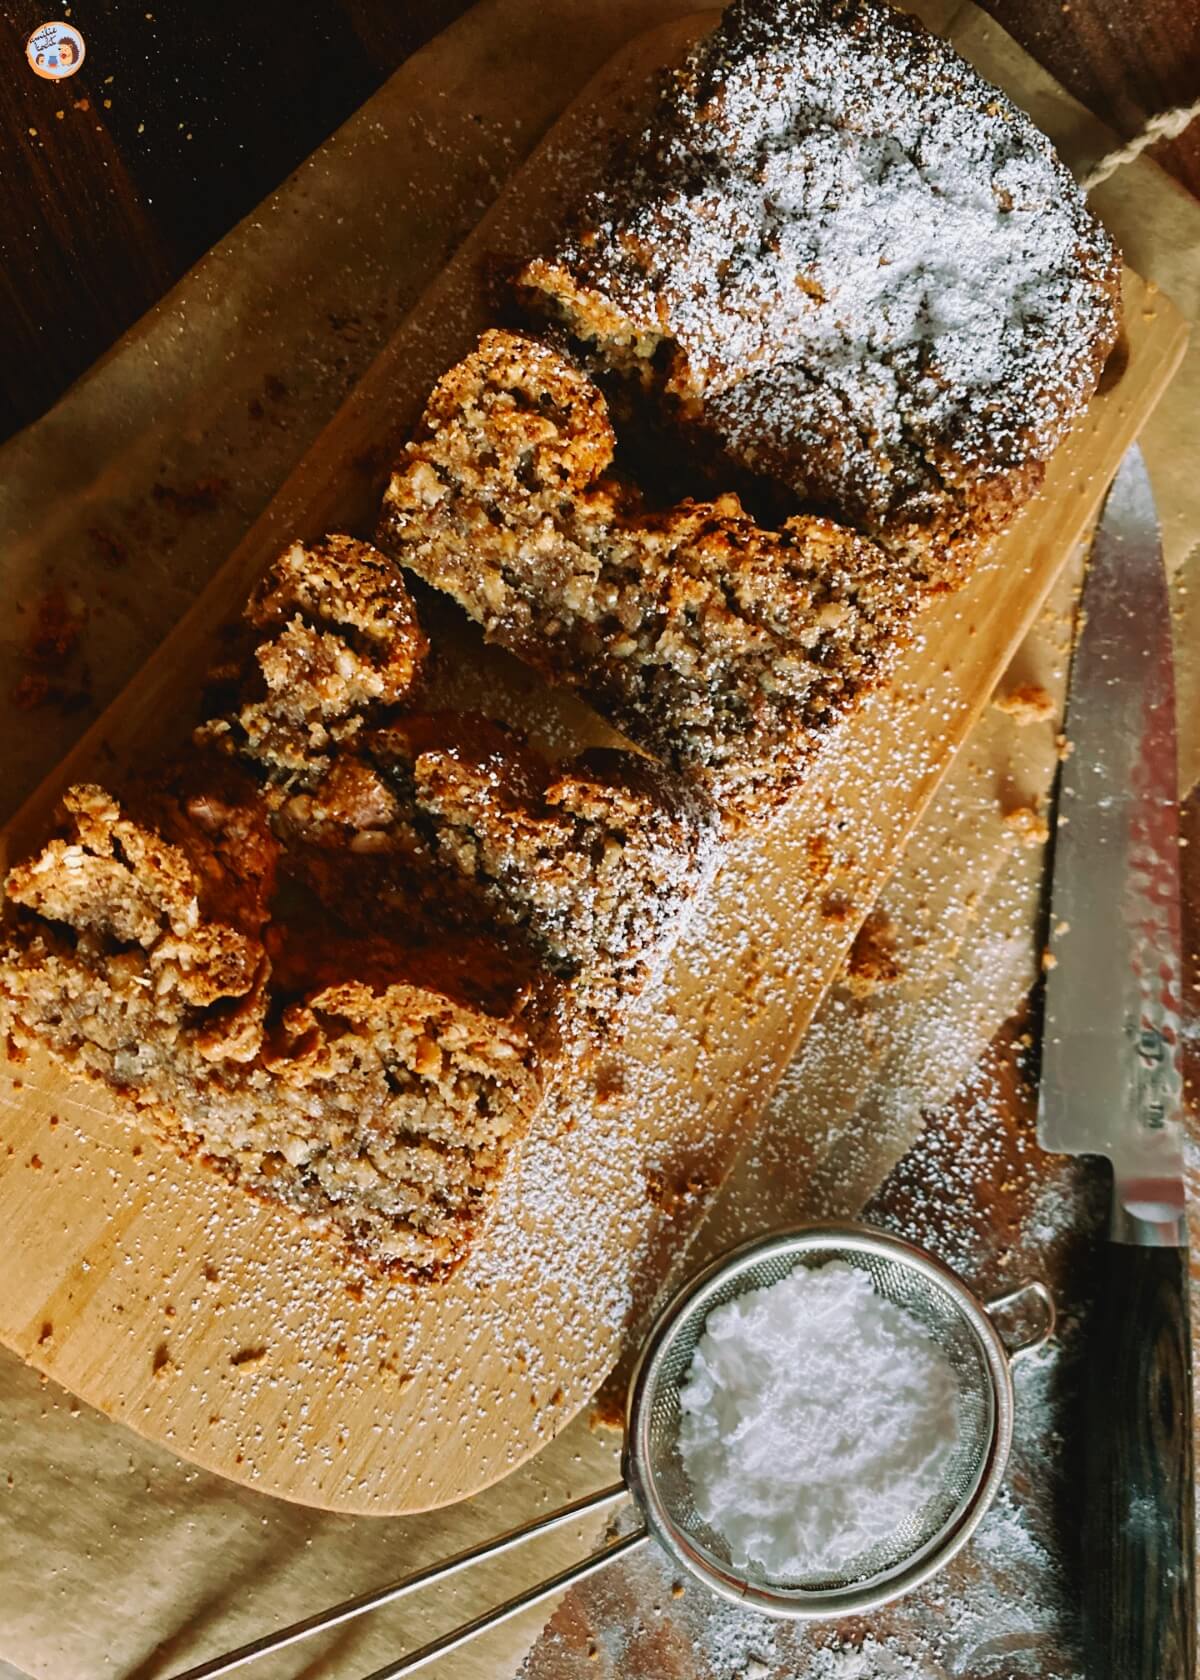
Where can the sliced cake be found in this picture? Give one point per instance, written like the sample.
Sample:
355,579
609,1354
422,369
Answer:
445,818
374,1085
339,950
725,649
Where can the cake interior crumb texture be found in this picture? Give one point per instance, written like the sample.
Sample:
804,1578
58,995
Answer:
726,649
338,950
844,257
371,1085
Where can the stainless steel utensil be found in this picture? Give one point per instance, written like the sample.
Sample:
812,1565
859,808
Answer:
962,1326
1111,1085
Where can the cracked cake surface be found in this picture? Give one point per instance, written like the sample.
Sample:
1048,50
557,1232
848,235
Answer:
726,649
839,253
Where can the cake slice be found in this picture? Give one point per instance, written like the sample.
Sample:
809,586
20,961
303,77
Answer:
406,1075
723,648
841,256
342,637
374,1085
591,862
395,816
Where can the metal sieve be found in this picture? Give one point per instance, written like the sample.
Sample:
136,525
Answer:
951,1315
961,1325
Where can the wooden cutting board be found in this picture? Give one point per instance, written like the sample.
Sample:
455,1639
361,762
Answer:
204,1320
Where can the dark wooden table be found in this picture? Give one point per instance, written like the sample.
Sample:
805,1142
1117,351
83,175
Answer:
184,116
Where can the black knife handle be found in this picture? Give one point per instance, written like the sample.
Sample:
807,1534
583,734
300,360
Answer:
1139,1512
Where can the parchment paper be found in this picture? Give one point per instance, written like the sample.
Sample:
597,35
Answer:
115,1557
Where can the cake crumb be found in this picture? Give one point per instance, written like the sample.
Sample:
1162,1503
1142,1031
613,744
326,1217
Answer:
1028,825
872,963
1025,704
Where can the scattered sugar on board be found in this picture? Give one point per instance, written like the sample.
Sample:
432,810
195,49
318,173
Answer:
818,1418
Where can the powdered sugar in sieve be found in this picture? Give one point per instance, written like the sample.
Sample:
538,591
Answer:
817,1418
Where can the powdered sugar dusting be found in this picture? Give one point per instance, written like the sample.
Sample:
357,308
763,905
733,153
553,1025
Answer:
854,243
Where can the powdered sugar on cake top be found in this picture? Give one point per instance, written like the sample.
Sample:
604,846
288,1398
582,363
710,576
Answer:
854,244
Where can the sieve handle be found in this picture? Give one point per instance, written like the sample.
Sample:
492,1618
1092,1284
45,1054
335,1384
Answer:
351,1608
512,1607
1032,1292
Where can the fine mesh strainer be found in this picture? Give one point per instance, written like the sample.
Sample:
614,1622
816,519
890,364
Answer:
963,1327
954,1318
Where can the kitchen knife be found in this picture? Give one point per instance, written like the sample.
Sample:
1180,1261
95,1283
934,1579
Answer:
1111,1085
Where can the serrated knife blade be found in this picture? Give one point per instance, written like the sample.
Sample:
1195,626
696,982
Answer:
1111,1086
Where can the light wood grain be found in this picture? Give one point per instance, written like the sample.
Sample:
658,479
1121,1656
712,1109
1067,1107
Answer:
206,1321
